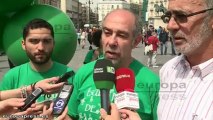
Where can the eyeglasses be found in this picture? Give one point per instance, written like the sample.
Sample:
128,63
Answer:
180,17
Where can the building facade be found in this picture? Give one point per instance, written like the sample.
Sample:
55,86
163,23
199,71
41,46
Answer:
55,3
105,6
76,13
155,10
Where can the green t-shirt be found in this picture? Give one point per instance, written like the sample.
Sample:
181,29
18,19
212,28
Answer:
84,103
25,75
89,56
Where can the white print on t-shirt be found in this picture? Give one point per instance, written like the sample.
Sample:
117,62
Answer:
90,104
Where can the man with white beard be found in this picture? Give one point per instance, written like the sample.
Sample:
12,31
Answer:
189,77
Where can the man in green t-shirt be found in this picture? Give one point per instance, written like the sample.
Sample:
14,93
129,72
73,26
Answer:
119,37
94,54
38,43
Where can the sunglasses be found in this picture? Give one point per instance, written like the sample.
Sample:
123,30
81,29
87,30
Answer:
180,17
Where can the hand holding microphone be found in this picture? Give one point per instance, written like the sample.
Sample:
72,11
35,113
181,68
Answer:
104,76
125,83
126,100
115,114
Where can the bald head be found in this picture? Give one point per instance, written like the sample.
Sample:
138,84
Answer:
122,12
124,15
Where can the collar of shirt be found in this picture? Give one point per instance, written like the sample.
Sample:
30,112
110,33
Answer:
205,68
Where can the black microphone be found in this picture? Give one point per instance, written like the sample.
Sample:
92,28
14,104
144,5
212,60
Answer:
104,76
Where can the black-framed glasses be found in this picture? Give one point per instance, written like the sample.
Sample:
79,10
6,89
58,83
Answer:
180,17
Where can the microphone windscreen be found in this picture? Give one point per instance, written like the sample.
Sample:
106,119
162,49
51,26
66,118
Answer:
125,80
104,74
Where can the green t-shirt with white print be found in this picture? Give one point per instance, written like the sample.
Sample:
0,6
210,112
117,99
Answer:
84,103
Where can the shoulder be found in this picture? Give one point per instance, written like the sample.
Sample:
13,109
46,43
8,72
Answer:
86,67
150,37
60,68
17,69
12,76
88,56
84,72
60,65
90,51
141,71
170,64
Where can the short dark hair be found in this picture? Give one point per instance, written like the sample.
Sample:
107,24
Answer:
96,38
35,24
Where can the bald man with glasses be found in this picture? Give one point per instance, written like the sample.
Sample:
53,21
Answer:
186,91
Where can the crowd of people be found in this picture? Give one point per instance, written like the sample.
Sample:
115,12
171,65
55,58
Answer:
182,91
84,35
158,39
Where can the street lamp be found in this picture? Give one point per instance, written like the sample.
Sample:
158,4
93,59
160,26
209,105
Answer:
78,25
89,2
97,16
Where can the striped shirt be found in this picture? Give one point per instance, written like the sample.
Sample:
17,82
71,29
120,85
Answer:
186,93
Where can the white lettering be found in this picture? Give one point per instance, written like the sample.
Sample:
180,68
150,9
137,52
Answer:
91,108
123,76
98,70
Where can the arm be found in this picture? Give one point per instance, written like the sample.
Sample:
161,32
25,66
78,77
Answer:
73,102
46,84
10,106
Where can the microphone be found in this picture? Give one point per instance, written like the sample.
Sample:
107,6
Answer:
125,83
104,76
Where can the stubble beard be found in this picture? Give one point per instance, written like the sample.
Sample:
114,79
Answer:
36,61
197,40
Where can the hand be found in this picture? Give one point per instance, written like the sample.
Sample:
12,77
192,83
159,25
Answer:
129,115
64,115
48,85
10,107
115,115
47,114
38,109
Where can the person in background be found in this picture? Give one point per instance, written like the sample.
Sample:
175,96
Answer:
95,53
119,37
159,30
172,44
154,42
163,37
191,25
79,36
83,38
148,34
89,38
